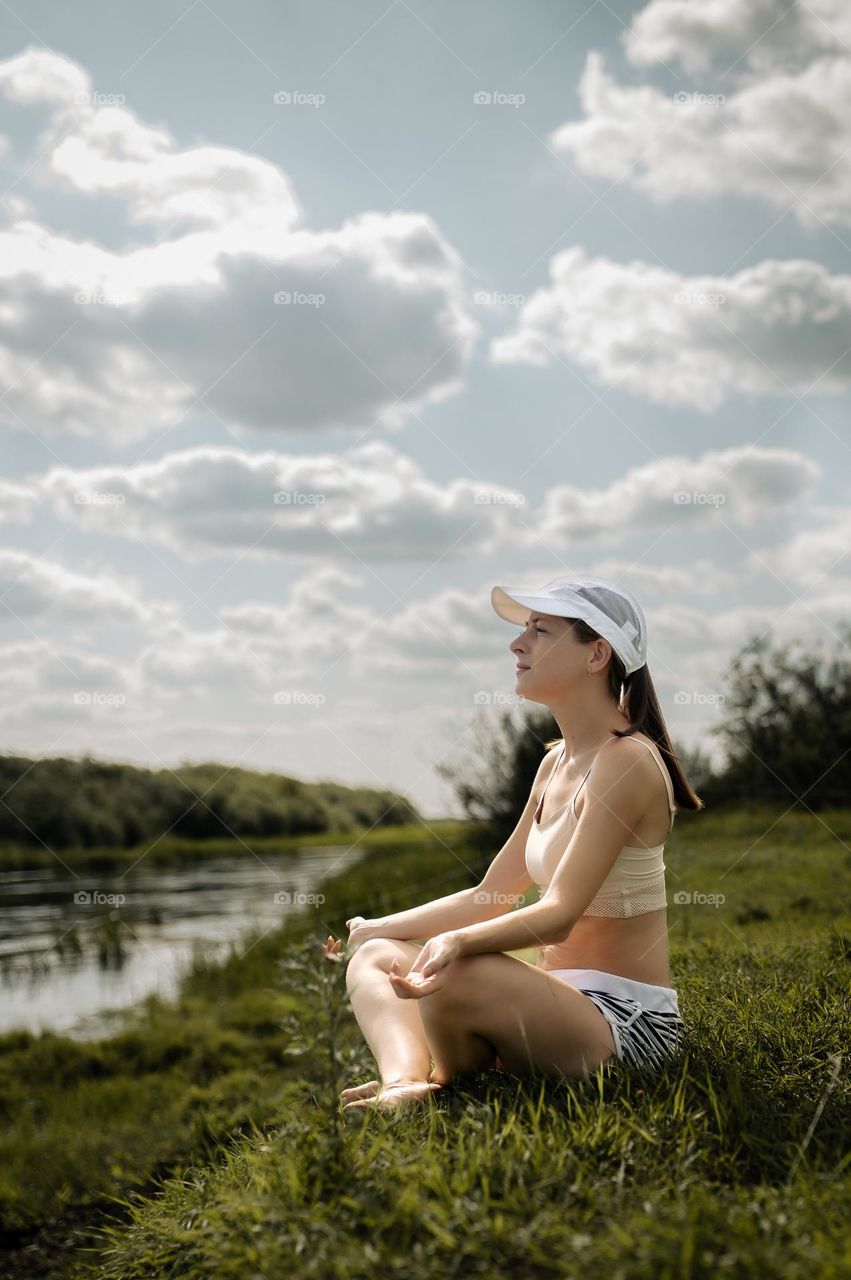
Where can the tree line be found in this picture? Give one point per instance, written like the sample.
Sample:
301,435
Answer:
85,803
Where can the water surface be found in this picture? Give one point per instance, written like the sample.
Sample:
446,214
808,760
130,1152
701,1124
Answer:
71,950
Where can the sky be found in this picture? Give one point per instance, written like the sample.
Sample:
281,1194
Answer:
319,320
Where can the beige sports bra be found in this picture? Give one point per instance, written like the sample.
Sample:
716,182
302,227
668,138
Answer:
635,884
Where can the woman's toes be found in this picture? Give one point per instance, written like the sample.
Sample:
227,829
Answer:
393,1097
367,1090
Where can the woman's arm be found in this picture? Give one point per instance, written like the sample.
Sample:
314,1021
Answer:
615,801
454,911
540,923
504,885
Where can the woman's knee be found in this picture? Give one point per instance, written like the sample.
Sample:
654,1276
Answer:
379,953
465,991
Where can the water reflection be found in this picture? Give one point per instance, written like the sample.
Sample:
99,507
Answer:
72,948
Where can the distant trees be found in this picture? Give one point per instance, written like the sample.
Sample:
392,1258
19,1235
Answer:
787,726
65,803
493,779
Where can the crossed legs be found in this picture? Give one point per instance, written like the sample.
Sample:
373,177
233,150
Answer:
494,1004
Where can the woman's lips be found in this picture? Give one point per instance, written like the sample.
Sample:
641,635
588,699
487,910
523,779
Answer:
520,668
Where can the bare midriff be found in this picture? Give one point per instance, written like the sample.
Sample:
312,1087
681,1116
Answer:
635,947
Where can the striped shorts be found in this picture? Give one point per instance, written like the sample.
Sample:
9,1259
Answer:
647,1028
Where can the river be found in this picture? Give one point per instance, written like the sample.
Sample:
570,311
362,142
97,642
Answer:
77,949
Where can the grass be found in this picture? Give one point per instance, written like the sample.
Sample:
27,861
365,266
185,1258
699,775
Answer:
214,1124
713,1168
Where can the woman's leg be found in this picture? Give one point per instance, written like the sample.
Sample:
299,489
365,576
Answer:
392,1027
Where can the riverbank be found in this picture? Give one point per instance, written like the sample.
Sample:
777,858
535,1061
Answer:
177,851
83,1122
226,1102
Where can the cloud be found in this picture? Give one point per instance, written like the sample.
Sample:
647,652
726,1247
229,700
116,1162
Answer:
743,485
374,504
812,553
762,33
370,502
241,312
34,589
784,138
16,501
776,327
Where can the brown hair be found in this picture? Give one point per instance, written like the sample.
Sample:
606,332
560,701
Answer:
635,695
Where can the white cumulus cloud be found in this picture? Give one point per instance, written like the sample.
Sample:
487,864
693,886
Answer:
774,328
234,309
783,138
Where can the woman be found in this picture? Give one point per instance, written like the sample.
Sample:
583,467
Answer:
592,836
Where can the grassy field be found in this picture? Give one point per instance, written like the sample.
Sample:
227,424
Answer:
205,1140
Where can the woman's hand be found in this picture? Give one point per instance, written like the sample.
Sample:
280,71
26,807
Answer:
359,931
431,970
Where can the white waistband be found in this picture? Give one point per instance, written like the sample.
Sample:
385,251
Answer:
649,995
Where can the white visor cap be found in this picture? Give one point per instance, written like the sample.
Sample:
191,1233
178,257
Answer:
612,611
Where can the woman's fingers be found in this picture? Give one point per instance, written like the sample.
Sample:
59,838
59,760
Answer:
331,948
408,986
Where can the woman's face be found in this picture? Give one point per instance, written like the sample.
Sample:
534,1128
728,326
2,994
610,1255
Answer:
550,660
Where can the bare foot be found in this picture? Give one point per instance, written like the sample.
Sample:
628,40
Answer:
367,1090
394,1097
